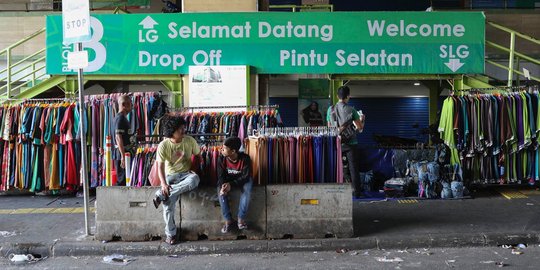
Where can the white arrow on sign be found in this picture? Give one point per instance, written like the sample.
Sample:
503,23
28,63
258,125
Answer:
148,23
454,64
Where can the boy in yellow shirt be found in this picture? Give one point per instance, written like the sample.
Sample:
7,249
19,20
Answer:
174,161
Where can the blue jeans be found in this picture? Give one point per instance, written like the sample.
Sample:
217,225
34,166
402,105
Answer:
179,183
242,206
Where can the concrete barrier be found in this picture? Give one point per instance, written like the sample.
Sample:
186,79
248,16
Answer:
202,219
128,213
309,211
277,211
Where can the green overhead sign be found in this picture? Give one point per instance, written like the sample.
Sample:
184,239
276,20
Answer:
279,42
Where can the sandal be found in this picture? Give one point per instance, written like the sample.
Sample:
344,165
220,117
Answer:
157,201
227,228
242,226
171,240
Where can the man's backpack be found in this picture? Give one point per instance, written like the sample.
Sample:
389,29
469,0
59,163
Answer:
346,130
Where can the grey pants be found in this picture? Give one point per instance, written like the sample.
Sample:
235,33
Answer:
179,183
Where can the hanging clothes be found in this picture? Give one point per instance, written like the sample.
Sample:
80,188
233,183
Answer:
296,157
34,137
493,137
101,110
229,123
39,140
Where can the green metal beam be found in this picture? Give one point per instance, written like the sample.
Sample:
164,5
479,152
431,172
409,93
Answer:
175,86
42,87
434,93
435,89
508,30
515,71
520,55
475,82
459,84
481,78
334,85
511,59
145,77
69,86
396,77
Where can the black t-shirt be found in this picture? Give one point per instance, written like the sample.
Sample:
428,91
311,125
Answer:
237,173
121,126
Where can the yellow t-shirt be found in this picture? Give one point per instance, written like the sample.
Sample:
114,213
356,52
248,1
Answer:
177,156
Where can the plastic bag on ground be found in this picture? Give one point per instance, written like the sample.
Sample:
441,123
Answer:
118,259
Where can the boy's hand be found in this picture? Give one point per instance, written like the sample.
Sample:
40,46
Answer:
225,188
165,190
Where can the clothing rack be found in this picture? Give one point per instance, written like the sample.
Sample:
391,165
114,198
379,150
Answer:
206,134
51,100
25,100
500,147
198,135
147,142
116,95
502,88
149,136
401,147
296,130
212,141
224,107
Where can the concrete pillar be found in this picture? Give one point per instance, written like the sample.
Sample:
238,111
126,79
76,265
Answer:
435,90
433,104
334,85
264,90
459,84
185,88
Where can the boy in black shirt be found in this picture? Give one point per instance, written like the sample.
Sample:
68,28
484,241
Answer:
234,169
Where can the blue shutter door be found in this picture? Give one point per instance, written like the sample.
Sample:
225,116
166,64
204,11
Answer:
288,109
402,117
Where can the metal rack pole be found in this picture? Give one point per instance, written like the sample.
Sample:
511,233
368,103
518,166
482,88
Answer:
227,107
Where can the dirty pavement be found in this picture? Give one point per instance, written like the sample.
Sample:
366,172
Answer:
491,230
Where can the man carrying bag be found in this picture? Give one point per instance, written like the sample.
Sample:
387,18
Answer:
349,122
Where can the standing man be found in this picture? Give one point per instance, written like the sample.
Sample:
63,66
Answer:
121,141
338,116
174,162
234,169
